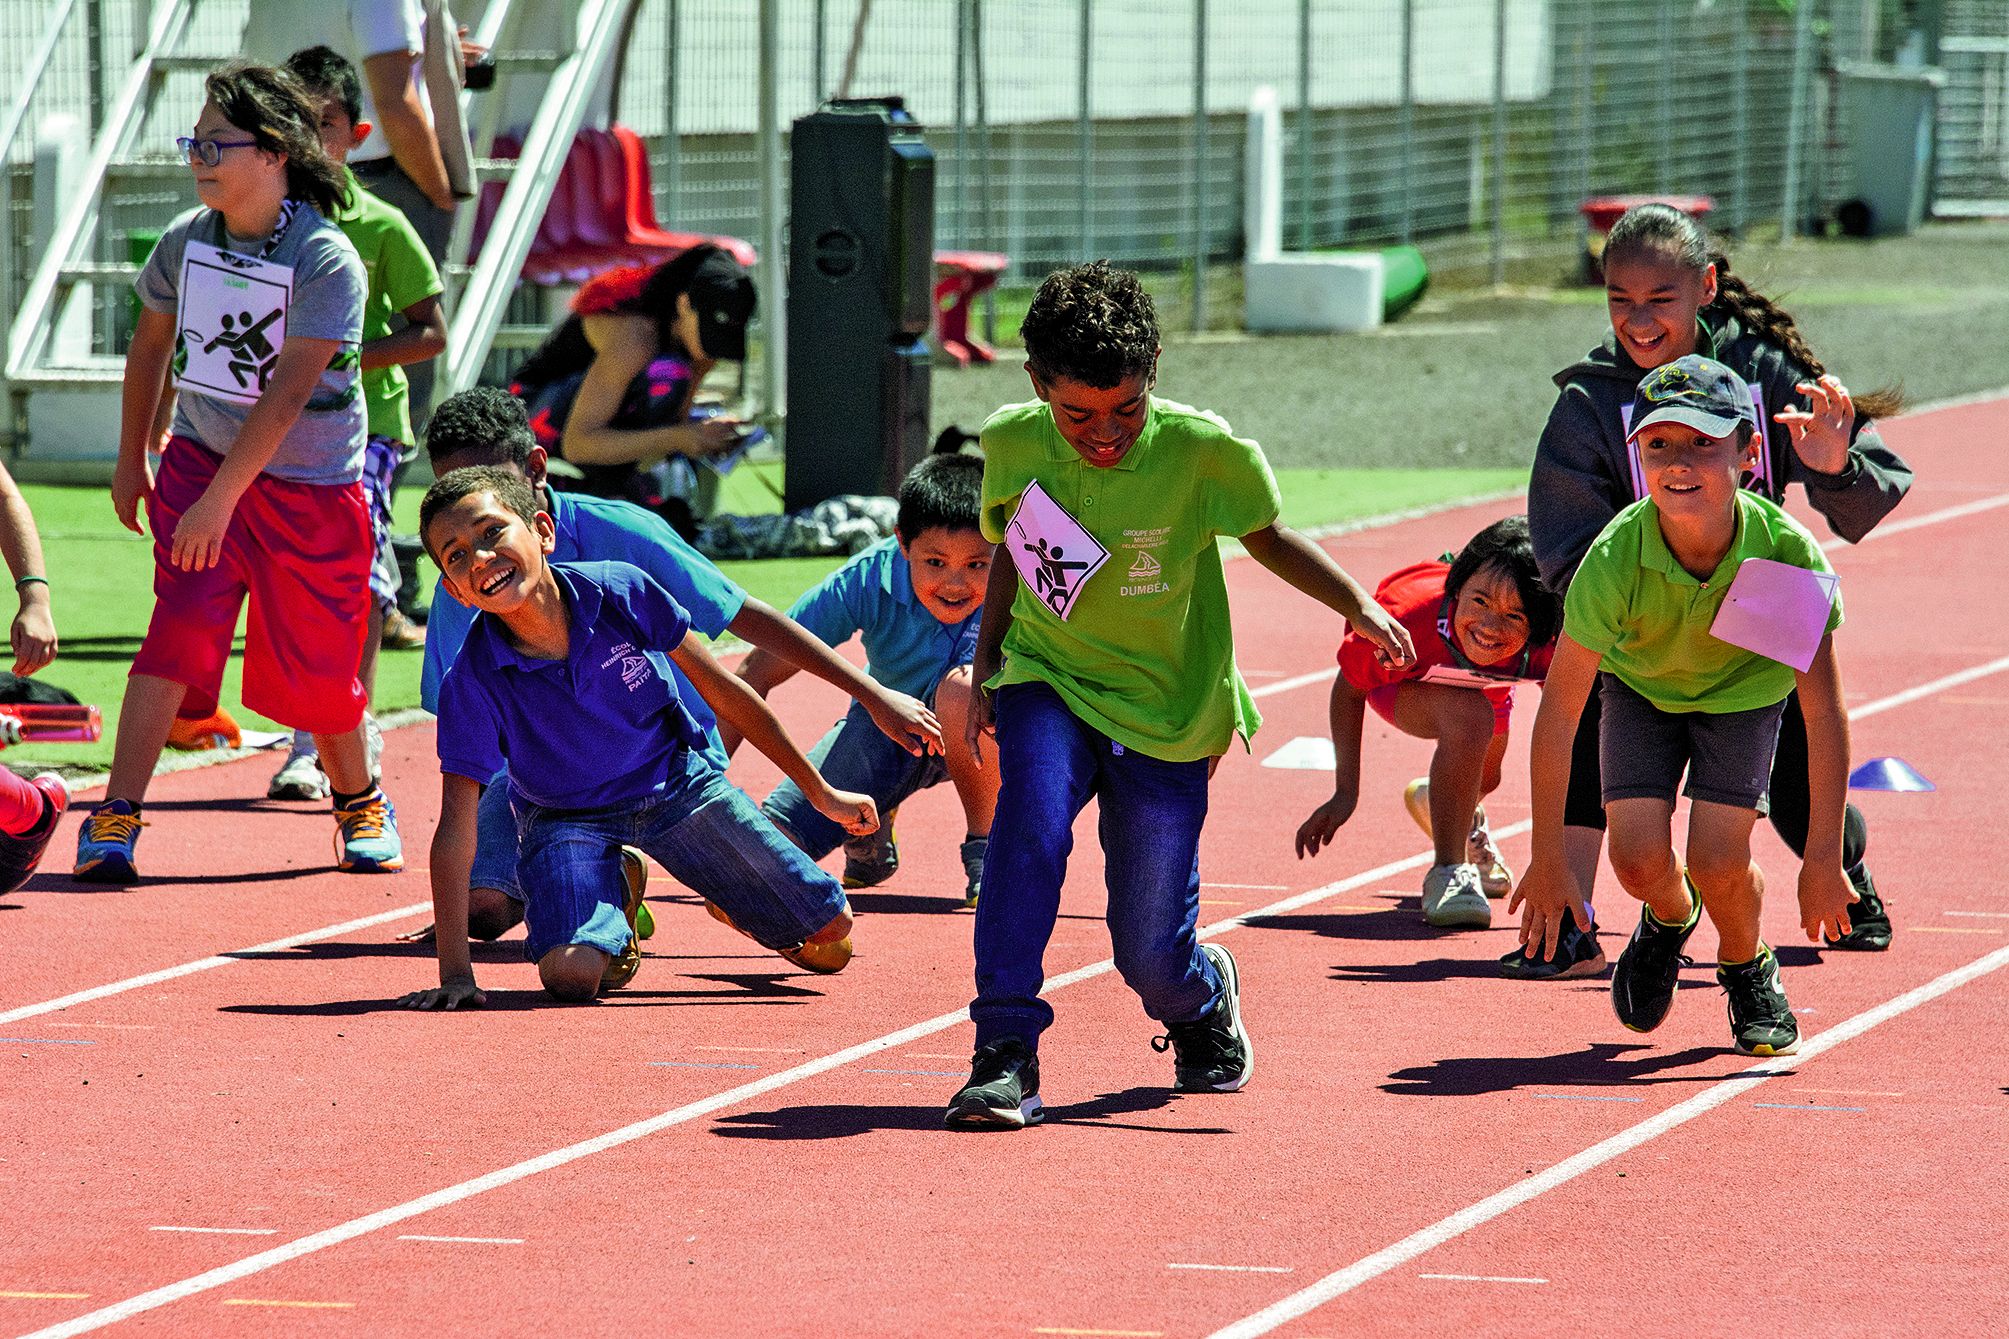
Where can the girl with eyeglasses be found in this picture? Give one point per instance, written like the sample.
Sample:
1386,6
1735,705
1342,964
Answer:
254,302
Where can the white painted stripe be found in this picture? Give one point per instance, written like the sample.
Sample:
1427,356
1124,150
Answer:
204,964
1991,915
1238,1269
1297,681
1481,1278
1427,1239
223,1231
471,1241
1910,695
1954,513
1251,887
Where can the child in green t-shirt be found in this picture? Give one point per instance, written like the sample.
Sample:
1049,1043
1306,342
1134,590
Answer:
1639,624
1110,669
403,282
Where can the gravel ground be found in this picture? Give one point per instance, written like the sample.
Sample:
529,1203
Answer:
1464,377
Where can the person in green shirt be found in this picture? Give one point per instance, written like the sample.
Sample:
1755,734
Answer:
1109,672
403,282
1638,625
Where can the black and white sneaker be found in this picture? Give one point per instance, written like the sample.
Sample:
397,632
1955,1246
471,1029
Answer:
1577,955
1869,919
1760,1019
1642,986
1212,1054
1003,1091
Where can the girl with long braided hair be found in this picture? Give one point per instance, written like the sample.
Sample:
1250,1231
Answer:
1670,292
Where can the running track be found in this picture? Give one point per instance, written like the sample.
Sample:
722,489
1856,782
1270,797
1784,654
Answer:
216,1142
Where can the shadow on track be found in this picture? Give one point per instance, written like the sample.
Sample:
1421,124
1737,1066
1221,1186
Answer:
1398,922
832,1121
751,988
1600,1064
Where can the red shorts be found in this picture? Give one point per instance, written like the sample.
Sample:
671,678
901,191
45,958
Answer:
302,552
1382,699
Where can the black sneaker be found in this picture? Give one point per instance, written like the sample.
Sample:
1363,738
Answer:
1003,1091
1212,1053
1577,954
1869,919
1760,1018
1642,988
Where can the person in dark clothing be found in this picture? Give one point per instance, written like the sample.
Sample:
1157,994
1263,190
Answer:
1670,292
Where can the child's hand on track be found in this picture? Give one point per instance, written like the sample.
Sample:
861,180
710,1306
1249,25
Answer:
130,487
1325,822
1546,891
422,936
1825,898
855,813
198,536
34,638
447,995
906,721
1391,640
1821,430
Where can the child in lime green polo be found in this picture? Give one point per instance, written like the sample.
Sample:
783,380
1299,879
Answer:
1641,623
1110,666
403,283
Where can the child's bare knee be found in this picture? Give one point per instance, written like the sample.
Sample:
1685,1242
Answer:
1640,864
1719,871
952,695
491,913
571,972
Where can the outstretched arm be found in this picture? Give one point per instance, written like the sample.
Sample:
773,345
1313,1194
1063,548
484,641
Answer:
1349,706
1825,894
34,630
999,592
452,860
1548,887
1307,567
905,720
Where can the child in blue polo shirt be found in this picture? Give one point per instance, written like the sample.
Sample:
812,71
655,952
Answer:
916,600
565,676
1683,689
487,426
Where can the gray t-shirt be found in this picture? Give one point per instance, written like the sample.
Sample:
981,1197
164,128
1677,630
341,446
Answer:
325,444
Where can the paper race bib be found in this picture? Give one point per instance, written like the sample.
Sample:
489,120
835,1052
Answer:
1777,610
1055,557
233,322
1457,676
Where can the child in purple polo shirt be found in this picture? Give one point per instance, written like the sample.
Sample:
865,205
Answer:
915,600
565,677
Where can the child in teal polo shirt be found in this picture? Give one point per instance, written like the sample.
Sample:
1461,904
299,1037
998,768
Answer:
1639,624
915,600
1110,662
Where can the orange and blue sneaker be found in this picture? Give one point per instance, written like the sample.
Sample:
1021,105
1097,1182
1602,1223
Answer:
105,844
621,968
366,836
21,852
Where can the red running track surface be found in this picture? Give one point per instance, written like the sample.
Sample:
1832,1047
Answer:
732,1147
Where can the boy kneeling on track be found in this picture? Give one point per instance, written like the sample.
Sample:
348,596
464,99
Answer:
565,676
1117,684
1640,625
1480,622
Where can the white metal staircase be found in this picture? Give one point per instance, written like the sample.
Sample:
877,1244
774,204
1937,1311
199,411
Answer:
129,181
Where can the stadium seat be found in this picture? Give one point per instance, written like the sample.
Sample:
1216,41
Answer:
960,277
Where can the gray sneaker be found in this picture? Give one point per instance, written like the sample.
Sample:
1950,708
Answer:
872,859
300,777
1454,900
373,743
973,853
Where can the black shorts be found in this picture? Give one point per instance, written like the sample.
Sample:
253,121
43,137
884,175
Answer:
1643,750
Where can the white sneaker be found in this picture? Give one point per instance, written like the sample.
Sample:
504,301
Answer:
1494,874
373,743
1453,900
300,776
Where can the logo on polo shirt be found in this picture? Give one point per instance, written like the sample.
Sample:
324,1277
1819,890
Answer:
635,669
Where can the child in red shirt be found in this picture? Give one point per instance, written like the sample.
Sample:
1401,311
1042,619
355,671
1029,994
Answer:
1479,622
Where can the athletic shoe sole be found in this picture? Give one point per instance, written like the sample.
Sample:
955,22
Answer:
1457,916
1588,967
107,869
1762,1050
981,1116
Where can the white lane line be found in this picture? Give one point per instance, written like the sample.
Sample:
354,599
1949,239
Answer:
1910,695
1480,1278
470,1241
1800,1106
358,1227
204,964
1888,529
1299,681
308,1245
1990,915
1427,1239
1239,1269
1585,1097
223,1231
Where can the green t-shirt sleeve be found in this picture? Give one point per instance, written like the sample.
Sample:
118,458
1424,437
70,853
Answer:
1596,601
405,269
1243,494
1011,451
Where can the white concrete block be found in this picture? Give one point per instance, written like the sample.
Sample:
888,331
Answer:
1313,293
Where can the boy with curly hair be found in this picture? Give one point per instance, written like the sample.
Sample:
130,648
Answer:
1110,665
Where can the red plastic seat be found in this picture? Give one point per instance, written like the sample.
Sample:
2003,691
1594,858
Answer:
640,212
961,277
1601,211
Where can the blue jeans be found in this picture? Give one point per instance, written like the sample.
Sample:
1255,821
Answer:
1151,812
855,755
702,829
